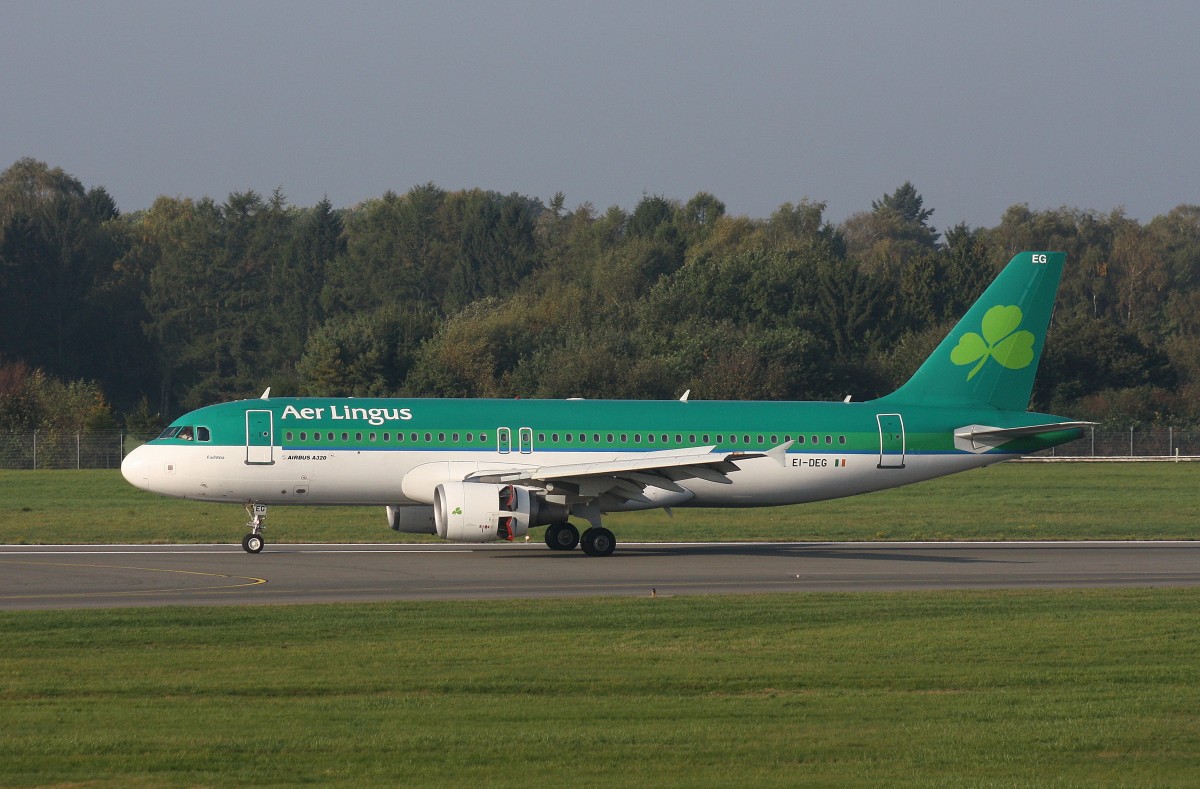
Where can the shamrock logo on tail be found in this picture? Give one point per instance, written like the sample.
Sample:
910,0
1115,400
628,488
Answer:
1000,341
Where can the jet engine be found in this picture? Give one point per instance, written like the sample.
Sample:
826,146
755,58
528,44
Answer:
481,512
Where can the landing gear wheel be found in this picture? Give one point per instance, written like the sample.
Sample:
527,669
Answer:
253,542
598,541
562,536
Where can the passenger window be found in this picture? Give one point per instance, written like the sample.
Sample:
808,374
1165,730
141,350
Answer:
610,438
483,437
650,437
799,439
691,439
287,436
841,439
441,437
568,437
454,438
541,438
429,438
624,438
828,439
304,436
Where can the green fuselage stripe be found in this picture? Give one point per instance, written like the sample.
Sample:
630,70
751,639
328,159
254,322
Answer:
604,426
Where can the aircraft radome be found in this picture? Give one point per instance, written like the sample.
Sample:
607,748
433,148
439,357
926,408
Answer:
482,470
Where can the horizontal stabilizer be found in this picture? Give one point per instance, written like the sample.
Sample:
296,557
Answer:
980,438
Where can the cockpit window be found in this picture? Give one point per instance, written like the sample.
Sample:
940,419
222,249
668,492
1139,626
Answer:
187,433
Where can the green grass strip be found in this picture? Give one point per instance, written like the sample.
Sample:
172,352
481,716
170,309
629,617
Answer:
1006,502
1056,688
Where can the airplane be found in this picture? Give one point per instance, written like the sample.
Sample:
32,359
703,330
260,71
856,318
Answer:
480,470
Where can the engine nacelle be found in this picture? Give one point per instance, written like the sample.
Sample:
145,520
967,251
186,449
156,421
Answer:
412,519
480,512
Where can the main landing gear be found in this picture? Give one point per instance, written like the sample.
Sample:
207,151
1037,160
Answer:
562,536
596,541
253,542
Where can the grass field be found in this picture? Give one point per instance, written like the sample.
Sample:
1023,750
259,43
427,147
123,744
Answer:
1064,688
1006,502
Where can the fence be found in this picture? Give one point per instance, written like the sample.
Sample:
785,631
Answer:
1131,443
52,449
106,448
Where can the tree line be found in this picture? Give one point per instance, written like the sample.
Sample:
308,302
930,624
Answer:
480,294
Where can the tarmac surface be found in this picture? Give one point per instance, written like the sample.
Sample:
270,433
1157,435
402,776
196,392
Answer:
92,576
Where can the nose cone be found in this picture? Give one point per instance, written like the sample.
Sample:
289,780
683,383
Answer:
135,468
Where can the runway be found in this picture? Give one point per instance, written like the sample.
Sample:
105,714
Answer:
45,577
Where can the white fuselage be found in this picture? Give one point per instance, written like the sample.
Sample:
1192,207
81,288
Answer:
398,477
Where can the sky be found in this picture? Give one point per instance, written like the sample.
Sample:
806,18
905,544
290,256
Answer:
980,104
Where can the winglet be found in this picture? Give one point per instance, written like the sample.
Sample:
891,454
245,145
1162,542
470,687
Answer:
684,399
266,395
779,453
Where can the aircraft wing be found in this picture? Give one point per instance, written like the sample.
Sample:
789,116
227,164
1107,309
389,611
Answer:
627,478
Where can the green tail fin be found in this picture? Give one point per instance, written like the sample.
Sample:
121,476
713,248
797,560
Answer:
992,354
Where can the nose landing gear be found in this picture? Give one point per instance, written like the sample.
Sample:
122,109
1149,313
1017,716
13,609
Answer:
253,542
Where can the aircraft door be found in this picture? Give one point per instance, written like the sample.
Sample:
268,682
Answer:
503,440
260,438
891,440
525,437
